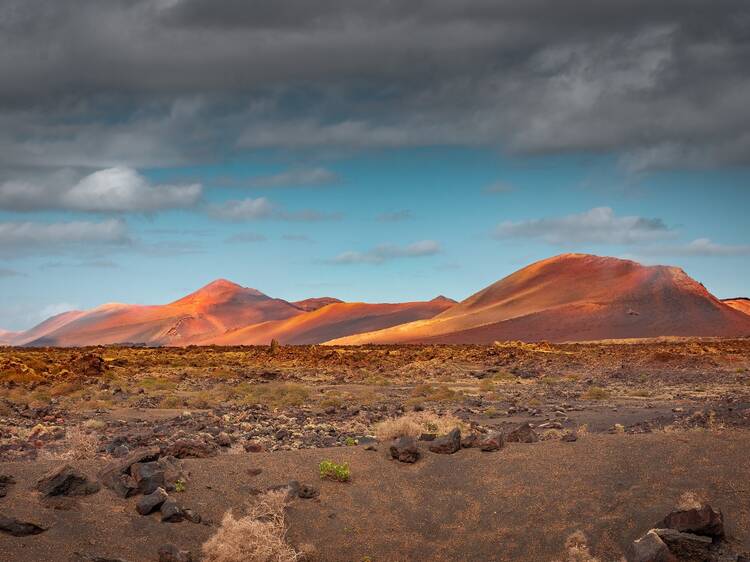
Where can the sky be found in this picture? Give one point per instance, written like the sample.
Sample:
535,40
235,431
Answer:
368,150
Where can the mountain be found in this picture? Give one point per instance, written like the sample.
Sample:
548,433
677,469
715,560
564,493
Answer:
308,305
576,297
210,311
740,303
333,321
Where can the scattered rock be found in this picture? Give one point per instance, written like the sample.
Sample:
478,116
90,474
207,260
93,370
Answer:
148,476
448,444
115,474
650,548
471,440
404,449
151,502
13,526
223,439
492,442
66,481
307,491
5,483
170,553
192,448
428,436
701,520
522,434
569,436
686,546
253,447
171,512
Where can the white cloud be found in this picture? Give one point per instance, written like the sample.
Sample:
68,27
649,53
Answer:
261,208
702,247
118,190
295,178
598,225
18,238
388,252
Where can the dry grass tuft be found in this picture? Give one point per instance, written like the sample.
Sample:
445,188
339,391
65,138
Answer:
577,549
415,424
256,537
78,445
690,500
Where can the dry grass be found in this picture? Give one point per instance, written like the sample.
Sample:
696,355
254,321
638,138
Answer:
577,549
415,424
256,537
690,500
78,445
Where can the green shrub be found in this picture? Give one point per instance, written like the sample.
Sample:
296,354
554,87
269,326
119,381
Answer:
329,470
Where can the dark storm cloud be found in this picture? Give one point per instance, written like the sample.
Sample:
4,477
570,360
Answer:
660,84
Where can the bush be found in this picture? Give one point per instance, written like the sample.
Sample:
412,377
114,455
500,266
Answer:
257,537
329,470
415,424
595,393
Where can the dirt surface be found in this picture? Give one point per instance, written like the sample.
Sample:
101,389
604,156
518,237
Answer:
624,429
516,504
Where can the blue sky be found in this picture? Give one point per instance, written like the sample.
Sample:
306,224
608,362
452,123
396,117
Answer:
363,149
455,198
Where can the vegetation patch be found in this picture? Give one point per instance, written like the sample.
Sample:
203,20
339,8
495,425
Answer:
329,470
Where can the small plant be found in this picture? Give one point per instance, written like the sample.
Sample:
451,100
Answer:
350,442
179,486
329,470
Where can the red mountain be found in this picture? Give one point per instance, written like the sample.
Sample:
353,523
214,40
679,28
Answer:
740,303
575,297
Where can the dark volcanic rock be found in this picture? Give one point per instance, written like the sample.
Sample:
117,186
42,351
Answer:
5,483
307,491
13,526
404,449
650,548
471,440
66,481
702,520
148,476
171,512
192,448
522,434
687,546
170,553
447,444
115,474
492,442
151,502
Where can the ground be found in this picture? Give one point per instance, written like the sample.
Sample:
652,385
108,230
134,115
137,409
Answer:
652,421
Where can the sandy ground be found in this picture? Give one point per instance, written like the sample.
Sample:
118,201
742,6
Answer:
516,504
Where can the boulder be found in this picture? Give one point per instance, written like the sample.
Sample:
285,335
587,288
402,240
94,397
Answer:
116,477
170,553
522,434
702,520
492,442
650,548
192,448
687,547
404,449
16,528
471,440
569,437
151,502
66,481
447,444
223,439
171,512
148,476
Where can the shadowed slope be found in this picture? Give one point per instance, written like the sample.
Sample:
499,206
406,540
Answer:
308,305
576,297
334,320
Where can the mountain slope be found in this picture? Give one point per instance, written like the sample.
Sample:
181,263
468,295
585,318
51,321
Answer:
332,321
740,303
576,297
210,311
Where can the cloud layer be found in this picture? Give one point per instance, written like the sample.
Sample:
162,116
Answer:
387,252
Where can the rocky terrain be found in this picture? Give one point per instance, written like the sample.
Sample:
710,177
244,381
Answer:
500,452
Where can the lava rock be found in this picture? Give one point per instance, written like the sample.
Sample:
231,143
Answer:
5,483
404,449
151,502
192,448
702,520
66,481
650,548
115,474
569,437
492,442
13,526
171,512
686,546
522,434
448,444
148,476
